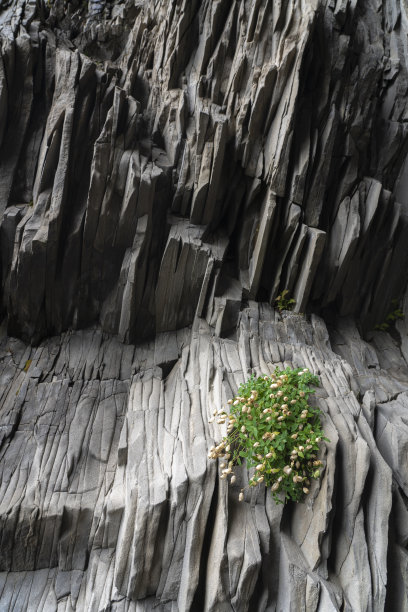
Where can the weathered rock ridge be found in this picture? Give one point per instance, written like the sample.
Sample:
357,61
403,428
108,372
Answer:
166,169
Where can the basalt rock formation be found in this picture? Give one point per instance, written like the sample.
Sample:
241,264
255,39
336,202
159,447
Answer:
168,168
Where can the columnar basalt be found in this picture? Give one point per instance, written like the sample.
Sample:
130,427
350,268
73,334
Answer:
166,170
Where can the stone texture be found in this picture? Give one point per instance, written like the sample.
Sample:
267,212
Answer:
166,170
108,443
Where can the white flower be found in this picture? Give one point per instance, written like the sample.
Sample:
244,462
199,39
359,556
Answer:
241,497
233,479
259,467
275,486
287,470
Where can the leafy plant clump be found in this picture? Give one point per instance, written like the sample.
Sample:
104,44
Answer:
273,428
392,316
284,302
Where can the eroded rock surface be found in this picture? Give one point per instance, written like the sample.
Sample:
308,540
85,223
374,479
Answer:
108,498
166,170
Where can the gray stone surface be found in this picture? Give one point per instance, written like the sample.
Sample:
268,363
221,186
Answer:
244,120
166,170
105,478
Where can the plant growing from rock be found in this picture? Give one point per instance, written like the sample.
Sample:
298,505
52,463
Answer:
272,427
284,302
391,317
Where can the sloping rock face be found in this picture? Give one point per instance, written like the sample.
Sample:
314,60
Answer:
166,170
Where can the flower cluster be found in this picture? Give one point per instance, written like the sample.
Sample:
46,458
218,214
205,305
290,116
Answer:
272,427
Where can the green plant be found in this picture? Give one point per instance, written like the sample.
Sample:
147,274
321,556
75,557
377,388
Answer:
283,302
273,428
391,317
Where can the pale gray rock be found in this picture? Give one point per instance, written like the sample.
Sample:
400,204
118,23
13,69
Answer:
112,457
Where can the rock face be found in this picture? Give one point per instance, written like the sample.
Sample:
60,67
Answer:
166,170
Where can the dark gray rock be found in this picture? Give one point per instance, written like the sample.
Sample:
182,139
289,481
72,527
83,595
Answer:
166,171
